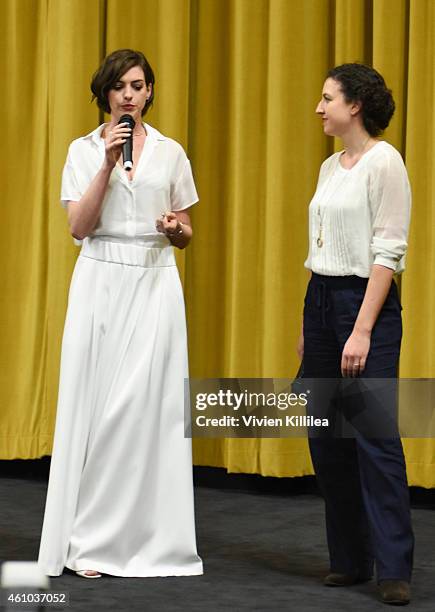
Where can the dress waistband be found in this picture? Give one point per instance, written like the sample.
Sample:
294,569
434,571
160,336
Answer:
151,240
146,252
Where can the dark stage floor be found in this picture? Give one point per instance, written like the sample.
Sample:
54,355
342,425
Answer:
262,542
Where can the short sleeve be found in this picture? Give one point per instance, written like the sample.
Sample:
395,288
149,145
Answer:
183,191
69,190
390,201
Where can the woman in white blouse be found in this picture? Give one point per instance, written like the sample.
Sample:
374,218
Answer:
120,494
358,228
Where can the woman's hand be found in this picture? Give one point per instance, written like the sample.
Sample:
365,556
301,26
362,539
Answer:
354,357
177,227
168,224
114,139
300,346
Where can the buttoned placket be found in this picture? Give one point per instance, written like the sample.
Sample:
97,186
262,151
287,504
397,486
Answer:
130,185
147,151
131,204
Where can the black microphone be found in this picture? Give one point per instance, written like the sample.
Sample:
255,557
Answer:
127,147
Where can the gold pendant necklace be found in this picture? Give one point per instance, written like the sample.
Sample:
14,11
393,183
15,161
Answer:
319,237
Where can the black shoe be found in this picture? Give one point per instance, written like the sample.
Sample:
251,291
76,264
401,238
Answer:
395,592
334,579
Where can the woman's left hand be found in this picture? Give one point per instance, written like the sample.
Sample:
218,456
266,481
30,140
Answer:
354,357
167,224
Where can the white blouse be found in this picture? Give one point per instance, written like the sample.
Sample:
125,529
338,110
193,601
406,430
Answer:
162,181
361,214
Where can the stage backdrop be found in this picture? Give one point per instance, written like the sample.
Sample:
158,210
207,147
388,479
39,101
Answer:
237,85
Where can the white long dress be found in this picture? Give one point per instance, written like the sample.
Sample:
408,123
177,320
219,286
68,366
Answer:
120,494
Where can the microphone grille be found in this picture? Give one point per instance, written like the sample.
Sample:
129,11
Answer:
127,119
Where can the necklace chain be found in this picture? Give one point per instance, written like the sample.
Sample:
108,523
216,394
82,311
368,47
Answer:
319,240
363,147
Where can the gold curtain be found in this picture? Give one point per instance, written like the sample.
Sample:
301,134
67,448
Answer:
237,84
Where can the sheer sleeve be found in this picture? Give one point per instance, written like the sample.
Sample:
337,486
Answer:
390,201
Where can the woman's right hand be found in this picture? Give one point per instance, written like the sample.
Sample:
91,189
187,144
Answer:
115,136
300,346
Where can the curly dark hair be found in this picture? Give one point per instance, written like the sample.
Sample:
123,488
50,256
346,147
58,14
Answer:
361,83
111,70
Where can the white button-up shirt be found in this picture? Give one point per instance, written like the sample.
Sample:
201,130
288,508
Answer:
162,181
361,214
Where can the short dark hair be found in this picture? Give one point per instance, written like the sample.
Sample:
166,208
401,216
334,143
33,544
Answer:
361,83
111,70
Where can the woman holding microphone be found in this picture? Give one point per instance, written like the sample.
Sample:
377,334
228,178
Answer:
120,494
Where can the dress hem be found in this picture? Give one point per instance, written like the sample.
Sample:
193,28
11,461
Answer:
155,574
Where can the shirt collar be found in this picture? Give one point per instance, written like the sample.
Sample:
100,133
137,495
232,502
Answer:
95,135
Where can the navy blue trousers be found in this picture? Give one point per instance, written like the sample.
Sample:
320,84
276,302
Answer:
362,477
